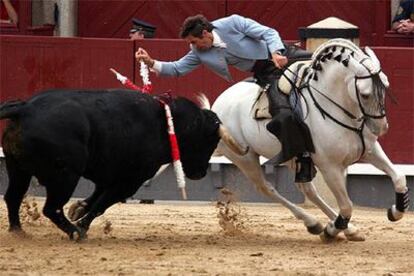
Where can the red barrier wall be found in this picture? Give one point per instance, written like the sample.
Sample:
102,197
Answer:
29,64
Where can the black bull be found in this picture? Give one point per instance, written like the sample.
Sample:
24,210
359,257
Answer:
116,138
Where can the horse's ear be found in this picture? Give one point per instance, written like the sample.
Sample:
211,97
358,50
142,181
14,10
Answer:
384,79
372,55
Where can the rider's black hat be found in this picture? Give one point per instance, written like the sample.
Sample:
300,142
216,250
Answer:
142,26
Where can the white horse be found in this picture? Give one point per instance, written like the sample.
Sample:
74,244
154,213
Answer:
343,91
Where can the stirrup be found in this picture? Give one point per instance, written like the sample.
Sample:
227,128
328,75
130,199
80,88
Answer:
305,170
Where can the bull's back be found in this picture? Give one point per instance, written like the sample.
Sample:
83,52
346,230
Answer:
84,129
105,112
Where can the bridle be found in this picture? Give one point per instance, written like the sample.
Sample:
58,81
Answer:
358,94
362,119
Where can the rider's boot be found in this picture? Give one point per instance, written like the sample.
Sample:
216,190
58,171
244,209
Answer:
280,110
291,133
305,170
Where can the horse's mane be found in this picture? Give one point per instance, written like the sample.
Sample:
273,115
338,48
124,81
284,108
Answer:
340,49
331,45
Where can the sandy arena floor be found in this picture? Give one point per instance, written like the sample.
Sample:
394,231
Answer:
172,238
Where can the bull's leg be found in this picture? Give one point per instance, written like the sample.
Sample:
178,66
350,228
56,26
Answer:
110,196
380,160
335,178
250,166
309,190
19,182
59,191
78,209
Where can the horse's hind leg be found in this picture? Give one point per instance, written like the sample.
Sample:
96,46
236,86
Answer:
380,160
250,166
19,182
310,192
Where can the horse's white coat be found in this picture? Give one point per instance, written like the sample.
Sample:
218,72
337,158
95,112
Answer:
336,147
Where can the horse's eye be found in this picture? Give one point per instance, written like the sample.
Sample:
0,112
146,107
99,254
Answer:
365,97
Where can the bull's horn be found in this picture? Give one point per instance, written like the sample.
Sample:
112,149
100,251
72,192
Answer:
230,142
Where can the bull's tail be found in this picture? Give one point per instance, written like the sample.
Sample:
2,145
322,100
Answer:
11,109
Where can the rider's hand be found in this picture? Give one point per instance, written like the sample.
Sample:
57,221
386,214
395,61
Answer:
279,60
142,55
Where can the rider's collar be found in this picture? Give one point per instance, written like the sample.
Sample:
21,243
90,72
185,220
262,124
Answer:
217,42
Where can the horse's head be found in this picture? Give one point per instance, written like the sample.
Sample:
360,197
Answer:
362,78
368,87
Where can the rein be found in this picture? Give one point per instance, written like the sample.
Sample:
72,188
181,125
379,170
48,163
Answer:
359,130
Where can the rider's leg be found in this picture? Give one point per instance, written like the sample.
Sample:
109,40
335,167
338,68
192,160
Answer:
292,132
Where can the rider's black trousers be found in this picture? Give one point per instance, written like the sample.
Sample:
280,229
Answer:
287,126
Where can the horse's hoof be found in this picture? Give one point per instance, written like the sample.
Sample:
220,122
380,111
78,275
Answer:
328,238
77,210
357,236
315,229
393,214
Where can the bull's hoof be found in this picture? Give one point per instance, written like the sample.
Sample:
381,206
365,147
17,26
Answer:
18,232
393,214
77,210
78,235
315,229
15,229
357,236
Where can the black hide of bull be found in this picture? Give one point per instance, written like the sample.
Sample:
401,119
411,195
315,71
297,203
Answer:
116,138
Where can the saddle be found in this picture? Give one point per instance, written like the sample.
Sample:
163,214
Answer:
295,74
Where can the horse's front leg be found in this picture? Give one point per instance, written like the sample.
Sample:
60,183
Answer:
335,178
380,160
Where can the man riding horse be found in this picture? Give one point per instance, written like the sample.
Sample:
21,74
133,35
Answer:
250,47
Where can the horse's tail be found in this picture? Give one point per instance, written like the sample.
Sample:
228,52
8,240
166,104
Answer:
11,109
